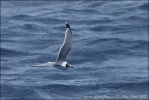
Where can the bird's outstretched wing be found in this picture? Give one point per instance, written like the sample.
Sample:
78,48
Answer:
66,46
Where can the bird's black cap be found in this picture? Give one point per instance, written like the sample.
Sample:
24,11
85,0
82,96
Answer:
67,25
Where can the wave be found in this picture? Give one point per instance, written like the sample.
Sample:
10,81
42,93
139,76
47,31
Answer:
23,29
104,49
81,11
135,18
23,17
116,40
32,27
116,29
44,20
58,76
62,91
97,4
102,28
144,6
23,93
52,21
119,13
6,23
12,53
129,86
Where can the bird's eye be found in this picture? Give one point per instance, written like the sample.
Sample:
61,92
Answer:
67,65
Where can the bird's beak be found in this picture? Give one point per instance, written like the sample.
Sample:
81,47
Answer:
71,66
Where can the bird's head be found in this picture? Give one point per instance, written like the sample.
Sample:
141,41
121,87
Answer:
65,64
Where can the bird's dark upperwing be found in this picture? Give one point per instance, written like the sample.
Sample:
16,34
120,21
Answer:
66,46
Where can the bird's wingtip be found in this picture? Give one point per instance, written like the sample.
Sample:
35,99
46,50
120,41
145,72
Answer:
67,25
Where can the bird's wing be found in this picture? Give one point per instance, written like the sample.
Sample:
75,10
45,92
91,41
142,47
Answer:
66,46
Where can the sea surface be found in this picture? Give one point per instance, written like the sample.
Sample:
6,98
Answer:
109,49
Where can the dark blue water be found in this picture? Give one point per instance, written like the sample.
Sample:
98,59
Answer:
109,51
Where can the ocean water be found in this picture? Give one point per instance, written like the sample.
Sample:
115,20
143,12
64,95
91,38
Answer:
109,49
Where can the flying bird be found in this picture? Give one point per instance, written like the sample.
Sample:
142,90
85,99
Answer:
65,48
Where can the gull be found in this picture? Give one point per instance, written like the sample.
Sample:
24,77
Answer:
65,48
